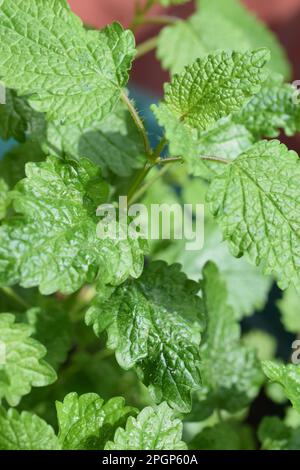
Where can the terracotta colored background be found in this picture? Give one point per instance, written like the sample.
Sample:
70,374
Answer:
282,16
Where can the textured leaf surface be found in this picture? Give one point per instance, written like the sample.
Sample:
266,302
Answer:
288,376
228,435
220,24
274,434
231,384
23,366
214,87
155,329
69,72
86,422
25,431
289,308
256,201
58,202
153,429
114,144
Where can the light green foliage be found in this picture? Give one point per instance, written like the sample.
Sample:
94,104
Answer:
72,74
86,422
256,202
156,330
153,429
221,388
289,307
22,365
288,376
264,344
219,24
25,431
58,203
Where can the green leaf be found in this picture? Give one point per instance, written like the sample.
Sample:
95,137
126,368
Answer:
25,431
220,24
52,327
58,202
229,435
155,428
264,343
22,366
114,144
288,376
16,117
12,165
213,87
256,202
155,329
274,108
4,198
86,422
275,435
289,308
78,75
230,371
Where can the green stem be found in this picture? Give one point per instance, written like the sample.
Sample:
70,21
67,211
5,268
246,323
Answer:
146,46
165,161
156,20
139,179
13,295
149,183
160,146
138,122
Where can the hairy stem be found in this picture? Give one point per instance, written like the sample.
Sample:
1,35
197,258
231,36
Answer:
139,179
139,123
165,161
156,20
149,183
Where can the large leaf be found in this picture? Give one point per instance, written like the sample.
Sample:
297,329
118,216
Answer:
71,73
54,243
23,366
220,24
153,324
86,422
25,431
257,203
153,429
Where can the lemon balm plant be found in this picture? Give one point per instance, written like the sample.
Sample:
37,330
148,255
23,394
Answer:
122,344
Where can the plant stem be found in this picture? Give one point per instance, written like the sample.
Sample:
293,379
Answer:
149,183
165,161
138,122
13,295
140,177
160,146
146,47
156,20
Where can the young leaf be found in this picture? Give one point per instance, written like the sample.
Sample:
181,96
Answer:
230,371
274,434
220,24
289,308
23,366
25,431
213,87
274,108
156,330
4,198
288,376
153,429
87,423
58,202
256,202
113,144
72,74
